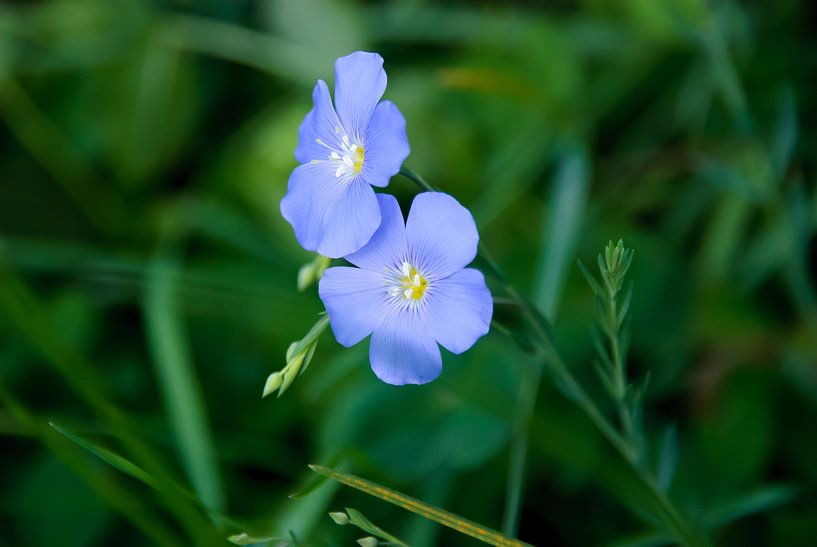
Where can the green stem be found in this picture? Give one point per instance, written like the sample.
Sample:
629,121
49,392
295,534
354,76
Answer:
620,374
519,447
416,179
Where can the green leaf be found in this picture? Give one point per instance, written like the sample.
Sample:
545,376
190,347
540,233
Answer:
597,290
668,460
758,501
408,503
357,518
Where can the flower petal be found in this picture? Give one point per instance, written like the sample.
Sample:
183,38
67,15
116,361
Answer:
350,220
330,216
359,83
387,247
402,350
321,123
459,309
355,301
311,189
441,235
386,145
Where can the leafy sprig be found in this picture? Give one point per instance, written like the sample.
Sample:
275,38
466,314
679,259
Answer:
611,336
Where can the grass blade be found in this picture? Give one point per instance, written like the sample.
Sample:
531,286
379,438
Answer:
567,204
180,387
408,503
116,496
116,461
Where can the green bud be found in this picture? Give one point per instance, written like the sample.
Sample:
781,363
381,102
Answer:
274,381
311,272
299,355
340,518
291,351
306,276
368,541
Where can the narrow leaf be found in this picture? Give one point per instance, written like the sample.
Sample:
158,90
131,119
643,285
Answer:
357,518
668,460
590,279
415,506
118,462
762,499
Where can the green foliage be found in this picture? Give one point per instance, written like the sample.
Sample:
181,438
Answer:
148,284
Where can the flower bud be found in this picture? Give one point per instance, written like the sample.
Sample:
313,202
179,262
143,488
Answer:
306,276
274,381
340,518
368,541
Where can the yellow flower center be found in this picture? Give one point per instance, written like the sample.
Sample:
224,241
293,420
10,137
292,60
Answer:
357,159
411,285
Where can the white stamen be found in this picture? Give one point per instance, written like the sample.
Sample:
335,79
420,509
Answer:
417,279
407,293
348,154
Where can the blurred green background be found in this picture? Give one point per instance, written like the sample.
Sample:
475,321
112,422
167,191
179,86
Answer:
147,279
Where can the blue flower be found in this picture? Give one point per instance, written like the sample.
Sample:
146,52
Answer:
343,152
411,290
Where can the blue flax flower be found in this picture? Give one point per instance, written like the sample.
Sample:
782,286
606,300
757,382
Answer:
343,151
411,290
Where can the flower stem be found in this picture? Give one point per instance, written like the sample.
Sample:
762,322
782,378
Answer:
416,179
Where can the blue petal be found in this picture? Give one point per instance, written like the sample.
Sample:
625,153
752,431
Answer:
403,351
359,83
459,309
331,217
386,145
351,220
309,195
441,235
355,301
321,123
387,247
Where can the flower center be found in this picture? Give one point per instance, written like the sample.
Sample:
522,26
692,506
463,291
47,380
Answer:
411,286
349,157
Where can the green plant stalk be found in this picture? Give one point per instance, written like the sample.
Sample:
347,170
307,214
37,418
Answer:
619,369
519,448
683,531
